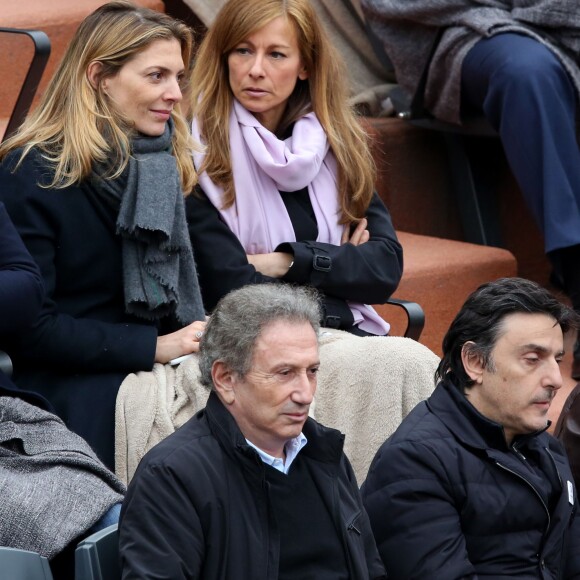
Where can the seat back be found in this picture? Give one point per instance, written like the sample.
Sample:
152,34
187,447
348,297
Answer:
23,565
97,557
31,81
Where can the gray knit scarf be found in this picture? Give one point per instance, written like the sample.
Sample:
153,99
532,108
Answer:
159,272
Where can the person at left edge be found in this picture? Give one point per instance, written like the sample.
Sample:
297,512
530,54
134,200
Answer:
94,183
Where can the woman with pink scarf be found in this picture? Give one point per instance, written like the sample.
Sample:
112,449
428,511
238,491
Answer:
285,194
285,174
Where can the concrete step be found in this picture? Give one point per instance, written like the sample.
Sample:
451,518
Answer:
414,182
59,19
440,274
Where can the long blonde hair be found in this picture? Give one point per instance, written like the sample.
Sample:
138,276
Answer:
74,125
324,92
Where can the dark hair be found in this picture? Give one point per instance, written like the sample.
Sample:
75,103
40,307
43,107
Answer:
480,321
240,317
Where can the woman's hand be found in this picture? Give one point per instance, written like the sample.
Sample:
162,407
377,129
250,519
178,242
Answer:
274,264
359,236
180,342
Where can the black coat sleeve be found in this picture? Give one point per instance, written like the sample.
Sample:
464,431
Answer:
78,343
413,515
368,273
21,286
160,533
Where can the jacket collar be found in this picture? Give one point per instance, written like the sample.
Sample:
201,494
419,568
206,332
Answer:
453,408
324,444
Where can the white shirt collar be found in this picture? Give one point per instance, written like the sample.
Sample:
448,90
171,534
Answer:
292,448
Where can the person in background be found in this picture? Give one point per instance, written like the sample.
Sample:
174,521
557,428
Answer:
517,64
471,485
54,490
94,182
251,488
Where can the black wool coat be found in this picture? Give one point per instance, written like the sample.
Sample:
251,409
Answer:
82,344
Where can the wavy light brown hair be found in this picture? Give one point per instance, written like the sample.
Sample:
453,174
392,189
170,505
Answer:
324,92
74,125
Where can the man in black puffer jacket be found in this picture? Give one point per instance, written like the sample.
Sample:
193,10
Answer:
471,485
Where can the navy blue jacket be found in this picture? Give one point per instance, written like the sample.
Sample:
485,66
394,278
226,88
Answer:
198,505
448,499
82,344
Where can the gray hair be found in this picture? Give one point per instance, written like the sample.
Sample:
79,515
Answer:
239,318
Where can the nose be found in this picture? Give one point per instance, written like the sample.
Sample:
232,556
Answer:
257,68
554,376
304,388
173,91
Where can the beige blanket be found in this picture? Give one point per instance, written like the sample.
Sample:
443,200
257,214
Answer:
370,82
366,386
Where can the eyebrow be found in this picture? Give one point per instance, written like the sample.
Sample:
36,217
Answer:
163,68
270,47
539,349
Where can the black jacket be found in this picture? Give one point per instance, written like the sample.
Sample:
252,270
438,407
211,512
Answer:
198,505
369,273
83,343
448,499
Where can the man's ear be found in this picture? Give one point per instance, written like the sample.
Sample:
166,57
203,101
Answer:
472,362
224,381
94,72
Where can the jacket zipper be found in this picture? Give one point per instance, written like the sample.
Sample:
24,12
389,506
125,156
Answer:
532,487
500,465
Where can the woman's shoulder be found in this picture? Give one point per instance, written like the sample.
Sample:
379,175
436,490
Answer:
24,187
28,173
25,167
14,159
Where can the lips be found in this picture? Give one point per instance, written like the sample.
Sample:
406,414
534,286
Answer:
255,92
297,416
163,114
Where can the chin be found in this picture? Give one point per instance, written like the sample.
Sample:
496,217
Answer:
155,131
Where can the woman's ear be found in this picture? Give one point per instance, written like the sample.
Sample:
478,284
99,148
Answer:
303,74
472,362
94,72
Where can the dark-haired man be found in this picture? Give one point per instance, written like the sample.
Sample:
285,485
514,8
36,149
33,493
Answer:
251,488
470,485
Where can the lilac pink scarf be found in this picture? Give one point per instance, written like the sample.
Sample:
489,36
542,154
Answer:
262,166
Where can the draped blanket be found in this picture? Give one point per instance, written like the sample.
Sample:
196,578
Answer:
52,486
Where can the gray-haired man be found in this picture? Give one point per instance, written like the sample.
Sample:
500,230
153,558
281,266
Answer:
251,487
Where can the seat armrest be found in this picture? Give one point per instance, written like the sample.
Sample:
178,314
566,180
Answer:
415,317
32,80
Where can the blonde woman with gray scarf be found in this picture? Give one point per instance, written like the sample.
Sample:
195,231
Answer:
94,183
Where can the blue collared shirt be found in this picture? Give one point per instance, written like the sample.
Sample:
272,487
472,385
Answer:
292,448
